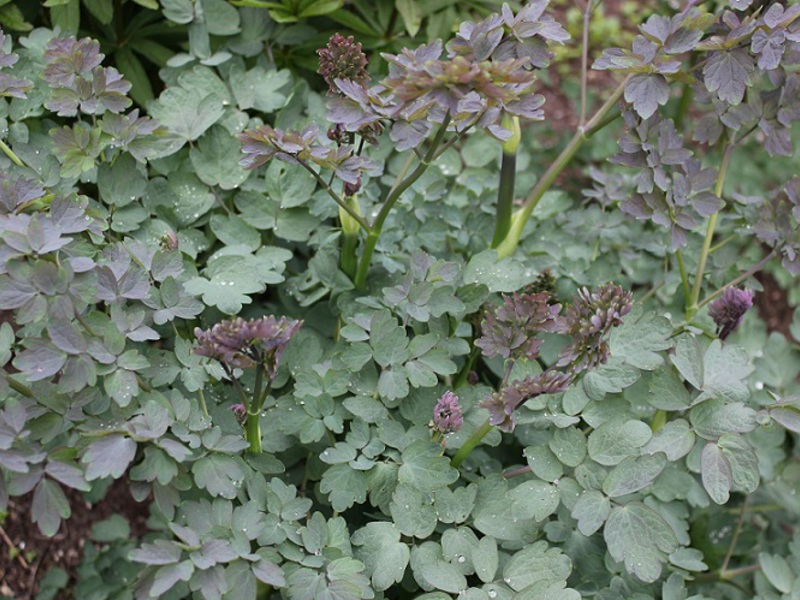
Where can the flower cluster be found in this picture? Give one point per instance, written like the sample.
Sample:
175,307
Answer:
78,81
501,405
729,309
447,416
588,319
510,329
238,343
342,58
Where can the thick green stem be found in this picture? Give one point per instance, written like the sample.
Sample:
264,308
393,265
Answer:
712,224
348,258
252,431
505,198
470,444
518,220
374,232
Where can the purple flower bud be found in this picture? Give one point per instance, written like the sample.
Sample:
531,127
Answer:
342,58
239,410
169,241
728,310
447,417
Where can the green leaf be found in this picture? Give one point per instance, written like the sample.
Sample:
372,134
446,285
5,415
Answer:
617,439
220,17
178,11
777,570
102,10
187,113
444,576
215,158
667,391
266,91
411,13
536,565
640,338
716,473
506,275
743,461
725,371
220,475
639,536
713,418
633,474
345,486
108,456
688,359
385,556
413,512
535,500
115,527
11,18
121,183
543,462
49,507
485,559
675,439
569,446
424,468
591,511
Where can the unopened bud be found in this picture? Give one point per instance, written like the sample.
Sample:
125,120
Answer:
349,224
511,123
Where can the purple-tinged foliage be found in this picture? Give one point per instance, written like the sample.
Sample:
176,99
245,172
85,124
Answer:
589,318
509,330
673,189
447,416
238,343
729,309
260,145
68,58
79,83
18,191
342,58
779,225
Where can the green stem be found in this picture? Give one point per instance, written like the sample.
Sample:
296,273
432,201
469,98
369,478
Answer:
252,431
658,421
712,224
11,154
505,198
683,105
21,389
374,232
518,220
349,260
470,444
684,279
463,374
336,198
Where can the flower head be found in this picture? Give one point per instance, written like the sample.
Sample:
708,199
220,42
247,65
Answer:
447,417
588,319
239,344
342,58
509,329
728,310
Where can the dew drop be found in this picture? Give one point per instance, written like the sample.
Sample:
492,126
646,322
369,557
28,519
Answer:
462,559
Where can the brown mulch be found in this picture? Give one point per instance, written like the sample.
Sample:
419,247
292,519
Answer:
773,306
19,578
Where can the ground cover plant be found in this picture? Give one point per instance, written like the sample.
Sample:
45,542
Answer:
368,336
